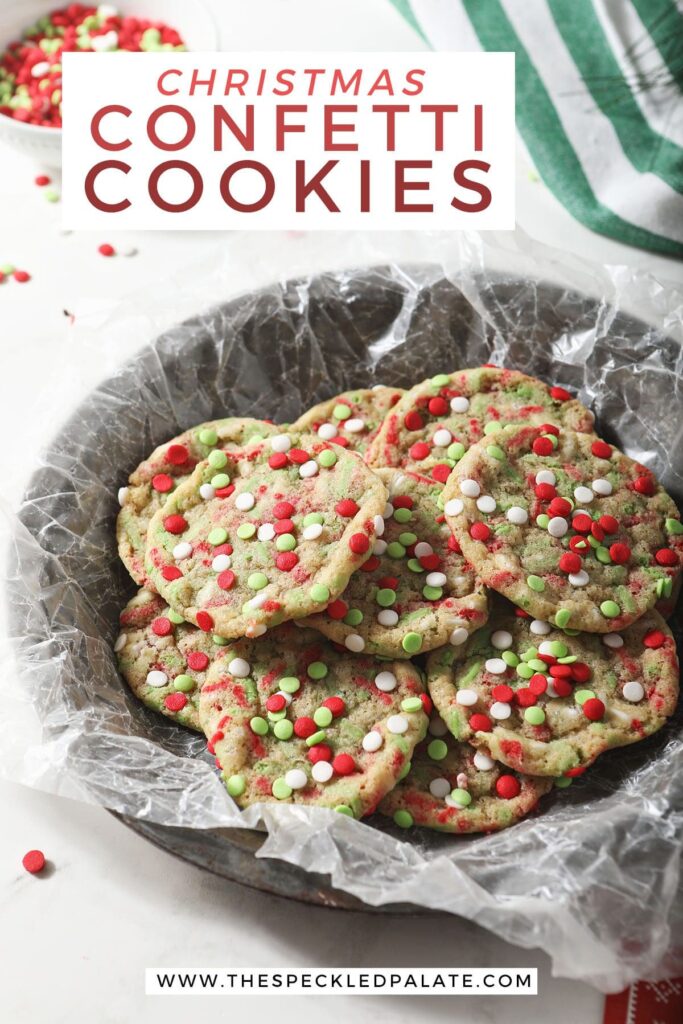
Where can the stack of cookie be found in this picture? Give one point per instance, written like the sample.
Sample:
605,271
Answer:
433,603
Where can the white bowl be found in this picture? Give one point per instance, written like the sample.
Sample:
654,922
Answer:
193,20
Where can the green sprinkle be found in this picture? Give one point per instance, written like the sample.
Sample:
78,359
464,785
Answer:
495,452
51,195
402,515
259,726
220,480
322,717
412,642
236,785
664,587
529,654
403,819
492,427
569,660
289,684
581,696
281,790
414,565
257,581
407,539
217,460
562,617
207,436
441,380
542,521
327,458
283,730
563,782
385,597
246,530
534,715
524,671
537,665
411,704
341,412
558,649
461,797
593,542
437,750
276,716
456,450
174,617
535,583
317,737
183,683
7,268
510,658
404,770
220,641
313,519
432,593
319,592
396,550
285,542
217,536
317,670
602,554
610,609
353,617
344,809
674,526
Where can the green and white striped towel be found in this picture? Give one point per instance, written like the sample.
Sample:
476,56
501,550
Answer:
599,101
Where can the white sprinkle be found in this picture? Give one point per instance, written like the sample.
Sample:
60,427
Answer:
439,788
517,515
156,678
266,531
496,666
545,476
583,495
442,438
633,692
259,600
422,549
579,579
557,527
470,488
308,469
379,387
372,741
458,636
378,523
122,495
388,511
454,507
437,726
436,579
239,667
601,486
467,698
379,547
501,639
354,426
397,724
121,641
245,501
327,431
182,550
539,628
40,69
296,778
500,710
107,11
551,692
613,640
546,647
385,681
322,771
107,41
387,617
483,762
354,643
486,503
460,404
580,512
207,492
281,443
256,629
312,532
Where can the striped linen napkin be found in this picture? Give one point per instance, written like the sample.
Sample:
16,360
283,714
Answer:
599,101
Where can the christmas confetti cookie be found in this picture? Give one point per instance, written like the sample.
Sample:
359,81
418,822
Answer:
291,718
168,466
163,659
417,591
566,526
546,702
451,787
265,534
437,421
352,419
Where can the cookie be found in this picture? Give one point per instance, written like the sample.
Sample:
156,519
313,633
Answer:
547,703
566,526
169,465
264,534
435,423
451,787
292,718
352,419
163,659
417,591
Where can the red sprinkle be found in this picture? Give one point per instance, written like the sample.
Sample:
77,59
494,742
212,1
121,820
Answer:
320,752
346,508
665,556
204,621
601,450
454,544
559,507
298,456
508,787
175,524
344,764
106,249
654,640
543,446
597,531
197,660
428,562
525,697
359,543
177,454
562,687
22,276
480,723
427,704
175,701
304,727
560,394
579,545
284,526
480,531
503,693
33,861
419,451
538,684
644,485
162,626
609,524
278,460
413,421
276,702
620,553
336,705
283,510
170,573
582,523
438,406
42,179
226,579
402,501
371,564
545,491
337,609
581,672
549,428
593,709
441,473
162,482
570,562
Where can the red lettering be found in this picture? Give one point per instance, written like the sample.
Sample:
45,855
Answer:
95,129
175,165
154,117
402,186
268,186
460,176
91,178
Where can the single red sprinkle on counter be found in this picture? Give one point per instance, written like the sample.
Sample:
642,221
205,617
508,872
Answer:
33,861
106,249
42,179
22,276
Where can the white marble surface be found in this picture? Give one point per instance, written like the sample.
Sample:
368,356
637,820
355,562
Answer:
73,945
